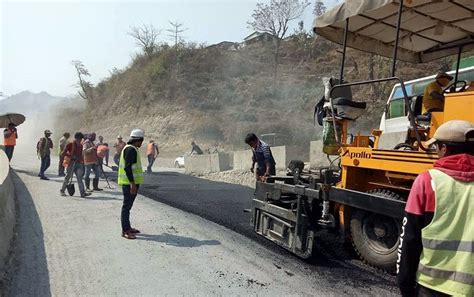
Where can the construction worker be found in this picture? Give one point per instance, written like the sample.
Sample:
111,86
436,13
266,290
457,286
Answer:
195,150
119,145
433,98
106,153
10,135
152,153
435,256
91,162
130,177
62,145
262,156
45,144
74,164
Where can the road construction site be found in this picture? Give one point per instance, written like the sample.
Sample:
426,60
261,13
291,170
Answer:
72,246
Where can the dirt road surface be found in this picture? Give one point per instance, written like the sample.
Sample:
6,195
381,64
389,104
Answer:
72,246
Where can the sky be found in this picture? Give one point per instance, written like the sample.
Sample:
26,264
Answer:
38,39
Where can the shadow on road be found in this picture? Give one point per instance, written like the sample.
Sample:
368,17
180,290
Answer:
28,273
176,240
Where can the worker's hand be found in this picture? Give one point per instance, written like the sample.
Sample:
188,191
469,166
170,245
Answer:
133,189
267,173
262,178
252,170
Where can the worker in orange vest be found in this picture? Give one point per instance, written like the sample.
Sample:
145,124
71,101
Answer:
10,136
151,153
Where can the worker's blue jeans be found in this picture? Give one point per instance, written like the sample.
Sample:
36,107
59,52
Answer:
45,162
95,168
128,200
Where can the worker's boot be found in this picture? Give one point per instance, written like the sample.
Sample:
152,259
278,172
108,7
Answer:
95,184
87,182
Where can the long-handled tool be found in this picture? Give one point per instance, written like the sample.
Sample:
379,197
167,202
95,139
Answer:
107,179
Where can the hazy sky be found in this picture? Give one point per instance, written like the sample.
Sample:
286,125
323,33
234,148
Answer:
39,39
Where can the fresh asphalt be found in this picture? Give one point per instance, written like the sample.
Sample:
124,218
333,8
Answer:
224,204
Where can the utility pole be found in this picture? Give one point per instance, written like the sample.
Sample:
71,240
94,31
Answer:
175,33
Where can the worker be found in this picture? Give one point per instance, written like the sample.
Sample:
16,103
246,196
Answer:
62,145
436,244
119,145
102,152
262,156
152,153
74,164
91,162
195,150
44,146
106,155
10,135
433,97
130,177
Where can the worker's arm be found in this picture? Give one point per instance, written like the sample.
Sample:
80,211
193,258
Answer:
43,146
7,132
130,156
418,214
88,147
254,160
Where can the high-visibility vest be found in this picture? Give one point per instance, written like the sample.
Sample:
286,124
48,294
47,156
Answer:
10,140
447,260
137,169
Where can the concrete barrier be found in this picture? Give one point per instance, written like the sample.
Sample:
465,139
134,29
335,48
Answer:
284,154
316,156
242,160
7,210
202,164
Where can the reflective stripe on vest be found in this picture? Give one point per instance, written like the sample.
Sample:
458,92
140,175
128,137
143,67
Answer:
446,262
10,140
137,169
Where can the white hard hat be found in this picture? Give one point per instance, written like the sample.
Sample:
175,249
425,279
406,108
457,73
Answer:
137,133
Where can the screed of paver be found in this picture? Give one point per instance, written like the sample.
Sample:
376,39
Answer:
78,250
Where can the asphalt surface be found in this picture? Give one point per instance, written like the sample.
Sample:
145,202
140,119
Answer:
224,204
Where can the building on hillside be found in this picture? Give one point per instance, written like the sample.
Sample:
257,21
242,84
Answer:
225,45
256,37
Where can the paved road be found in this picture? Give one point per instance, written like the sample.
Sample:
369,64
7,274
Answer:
224,203
71,246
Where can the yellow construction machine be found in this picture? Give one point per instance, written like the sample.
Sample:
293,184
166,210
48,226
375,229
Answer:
364,195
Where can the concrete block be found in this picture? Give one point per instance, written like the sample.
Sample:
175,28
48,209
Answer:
203,164
316,156
7,210
283,155
242,160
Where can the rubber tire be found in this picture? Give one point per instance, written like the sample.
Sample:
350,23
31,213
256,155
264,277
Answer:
385,261
296,164
404,147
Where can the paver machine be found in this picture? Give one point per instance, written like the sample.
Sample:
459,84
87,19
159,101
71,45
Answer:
363,193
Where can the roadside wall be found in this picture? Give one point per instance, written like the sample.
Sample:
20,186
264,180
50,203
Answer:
7,210
242,160
283,155
203,164
316,156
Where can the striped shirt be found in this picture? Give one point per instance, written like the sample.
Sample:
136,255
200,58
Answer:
263,154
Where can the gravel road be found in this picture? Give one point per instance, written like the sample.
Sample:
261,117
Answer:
72,246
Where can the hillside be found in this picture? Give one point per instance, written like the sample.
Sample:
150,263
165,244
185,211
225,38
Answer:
215,95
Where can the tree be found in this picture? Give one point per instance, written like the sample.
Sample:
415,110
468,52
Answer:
146,37
85,86
319,8
274,18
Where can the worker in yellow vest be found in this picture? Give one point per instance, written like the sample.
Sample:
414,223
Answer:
436,252
130,177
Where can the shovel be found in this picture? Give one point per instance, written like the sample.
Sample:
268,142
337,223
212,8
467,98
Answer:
70,186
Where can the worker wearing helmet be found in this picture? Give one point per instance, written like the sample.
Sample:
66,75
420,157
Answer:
130,176
435,256
433,98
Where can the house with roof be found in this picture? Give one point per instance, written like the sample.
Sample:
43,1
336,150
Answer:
256,37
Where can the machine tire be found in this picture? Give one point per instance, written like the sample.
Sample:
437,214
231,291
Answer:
376,251
404,147
296,164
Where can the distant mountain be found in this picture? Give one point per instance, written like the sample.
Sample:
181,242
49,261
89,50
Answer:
29,103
